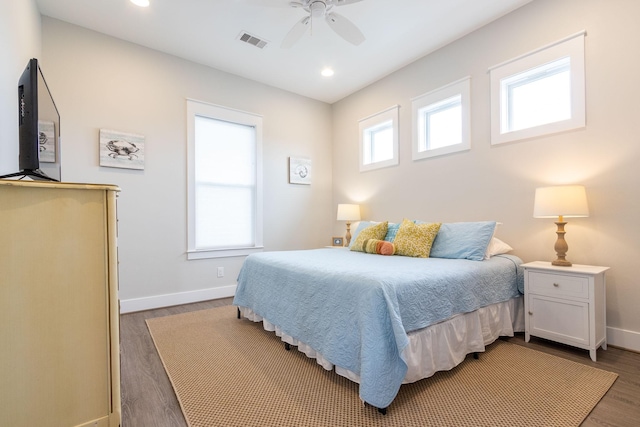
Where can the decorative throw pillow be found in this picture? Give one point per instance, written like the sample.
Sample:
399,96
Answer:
380,247
377,232
415,240
361,226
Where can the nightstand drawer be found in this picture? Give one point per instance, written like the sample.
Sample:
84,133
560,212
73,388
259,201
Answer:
558,285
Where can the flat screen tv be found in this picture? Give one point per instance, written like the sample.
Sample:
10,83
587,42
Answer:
38,127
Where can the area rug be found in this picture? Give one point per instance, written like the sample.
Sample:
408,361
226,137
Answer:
230,372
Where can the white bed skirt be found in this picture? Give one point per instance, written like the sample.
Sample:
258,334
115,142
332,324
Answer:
438,347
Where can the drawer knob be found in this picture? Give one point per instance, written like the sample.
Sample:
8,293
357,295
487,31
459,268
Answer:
530,313
556,285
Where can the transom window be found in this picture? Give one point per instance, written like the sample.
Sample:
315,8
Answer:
441,120
536,97
378,143
379,140
441,124
539,93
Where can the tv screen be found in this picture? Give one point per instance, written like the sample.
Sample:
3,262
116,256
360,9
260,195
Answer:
38,127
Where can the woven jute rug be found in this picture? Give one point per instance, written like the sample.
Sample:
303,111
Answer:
230,372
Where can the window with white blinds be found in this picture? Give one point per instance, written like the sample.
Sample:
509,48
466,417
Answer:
225,165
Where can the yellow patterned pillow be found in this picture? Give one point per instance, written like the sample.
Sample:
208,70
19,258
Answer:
377,232
415,239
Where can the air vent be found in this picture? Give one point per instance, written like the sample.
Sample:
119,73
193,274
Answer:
252,40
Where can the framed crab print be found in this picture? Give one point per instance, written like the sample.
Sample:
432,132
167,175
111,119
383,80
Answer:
121,149
299,170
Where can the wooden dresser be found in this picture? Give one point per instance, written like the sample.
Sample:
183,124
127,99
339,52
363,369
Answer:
59,329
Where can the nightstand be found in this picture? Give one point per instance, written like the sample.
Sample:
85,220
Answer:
566,304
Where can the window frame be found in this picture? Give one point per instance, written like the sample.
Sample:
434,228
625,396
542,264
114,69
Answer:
571,47
375,120
462,88
217,112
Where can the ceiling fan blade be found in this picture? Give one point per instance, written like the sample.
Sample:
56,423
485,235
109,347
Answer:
345,28
296,32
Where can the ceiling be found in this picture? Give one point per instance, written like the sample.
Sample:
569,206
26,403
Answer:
207,32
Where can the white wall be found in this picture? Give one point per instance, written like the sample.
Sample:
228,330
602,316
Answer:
101,82
498,182
19,42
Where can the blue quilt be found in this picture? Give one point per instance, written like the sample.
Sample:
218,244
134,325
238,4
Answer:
356,308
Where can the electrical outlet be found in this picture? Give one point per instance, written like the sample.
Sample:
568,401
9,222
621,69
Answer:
220,271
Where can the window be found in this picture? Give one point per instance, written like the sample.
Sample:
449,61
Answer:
539,93
379,140
225,168
441,120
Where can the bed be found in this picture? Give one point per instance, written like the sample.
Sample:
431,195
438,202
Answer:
382,320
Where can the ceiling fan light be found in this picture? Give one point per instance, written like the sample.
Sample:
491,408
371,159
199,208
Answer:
317,8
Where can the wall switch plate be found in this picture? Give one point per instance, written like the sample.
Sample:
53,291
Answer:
220,271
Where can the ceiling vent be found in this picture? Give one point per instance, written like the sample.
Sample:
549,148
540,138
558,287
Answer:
252,40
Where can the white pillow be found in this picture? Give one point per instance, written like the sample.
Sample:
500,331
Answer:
497,247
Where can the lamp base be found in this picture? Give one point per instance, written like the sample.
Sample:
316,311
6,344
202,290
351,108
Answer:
561,247
347,237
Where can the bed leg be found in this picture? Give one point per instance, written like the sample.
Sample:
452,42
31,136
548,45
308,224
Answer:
383,411
287,346
476,355
239,315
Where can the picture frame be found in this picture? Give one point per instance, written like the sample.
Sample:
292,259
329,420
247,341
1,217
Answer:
299,170
121,149
337,241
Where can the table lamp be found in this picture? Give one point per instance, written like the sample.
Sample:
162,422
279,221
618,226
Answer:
348,213
561,201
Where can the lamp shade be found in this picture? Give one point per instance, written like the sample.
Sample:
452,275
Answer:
348,212
562,200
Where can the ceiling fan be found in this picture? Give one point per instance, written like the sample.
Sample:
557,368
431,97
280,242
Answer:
323,9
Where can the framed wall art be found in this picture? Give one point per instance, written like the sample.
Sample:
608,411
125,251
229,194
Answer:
121,149
299,170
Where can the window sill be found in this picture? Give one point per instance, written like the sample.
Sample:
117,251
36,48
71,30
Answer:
222,253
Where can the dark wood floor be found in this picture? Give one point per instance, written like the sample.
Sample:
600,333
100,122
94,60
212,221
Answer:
148,399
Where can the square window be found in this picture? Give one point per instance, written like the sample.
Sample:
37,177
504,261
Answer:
536,97
539,93
379,140
441,120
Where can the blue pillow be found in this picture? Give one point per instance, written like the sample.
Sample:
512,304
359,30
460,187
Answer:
392,230
463,240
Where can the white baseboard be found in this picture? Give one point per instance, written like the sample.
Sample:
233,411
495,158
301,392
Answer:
167,300
629,340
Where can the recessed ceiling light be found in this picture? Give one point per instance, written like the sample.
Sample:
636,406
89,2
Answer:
141,3
327,72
